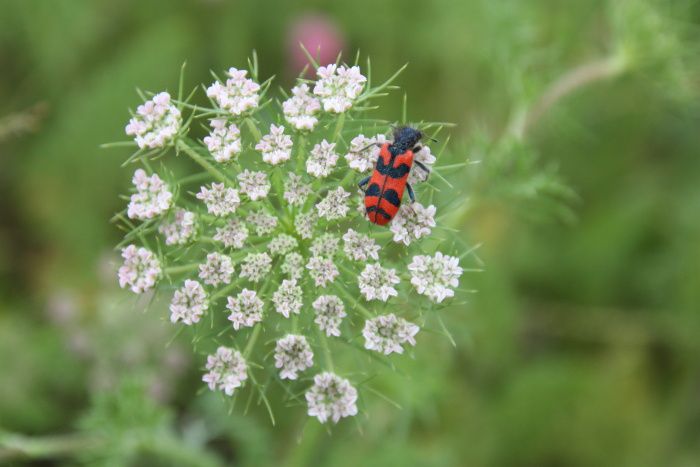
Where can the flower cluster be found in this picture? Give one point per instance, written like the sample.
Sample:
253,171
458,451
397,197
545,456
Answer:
152,197
386,333
338,87
227,370
237,95
263,241
140,271
156,122
224,141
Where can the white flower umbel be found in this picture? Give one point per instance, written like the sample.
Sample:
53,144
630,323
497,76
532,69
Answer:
295,190
152,197
288,298
330,312
254,184
263,222
338,87
417,174
304,224
276,147
331,398
325,245
334,205
282,244
237,95
233,234
256,266
377,283
387,333
293,355
293,265
435,276
220,201
413,221
180,229
322,270
322,159
156,122
189,303
363,152
216,270
246,309
140,271
224,141
300,109
227,370
359,247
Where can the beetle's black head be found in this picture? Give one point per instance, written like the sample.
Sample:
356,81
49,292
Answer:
406,138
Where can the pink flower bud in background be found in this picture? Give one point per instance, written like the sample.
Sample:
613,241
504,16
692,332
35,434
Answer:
321,37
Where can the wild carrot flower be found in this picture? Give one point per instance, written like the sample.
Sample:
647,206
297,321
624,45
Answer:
412,222
276,147
377,283
227,370
141,269
152,197
322,159
300,110
363,152
435,276
181,229
260,252
293,355
288,298
233,234
156,122
220,200
237,95
386,333
224,141
246,309
330,312
338,87
331,398
189,303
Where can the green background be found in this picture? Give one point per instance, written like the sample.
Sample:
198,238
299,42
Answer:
581,347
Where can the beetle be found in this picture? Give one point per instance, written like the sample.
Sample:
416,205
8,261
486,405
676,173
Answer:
389,180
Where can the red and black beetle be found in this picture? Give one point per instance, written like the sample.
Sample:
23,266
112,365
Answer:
387,183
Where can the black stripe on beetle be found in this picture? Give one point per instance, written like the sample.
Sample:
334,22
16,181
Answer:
373,190
392,196
379,211
393,172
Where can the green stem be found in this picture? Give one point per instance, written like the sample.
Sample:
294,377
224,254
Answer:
326,350
300,153
253,129
365,311
14,446
180,269
195,156
338,127
251,341
202,176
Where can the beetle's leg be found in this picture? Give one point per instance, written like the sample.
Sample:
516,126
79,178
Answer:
411,194
363,183
379,145
416,149
422,166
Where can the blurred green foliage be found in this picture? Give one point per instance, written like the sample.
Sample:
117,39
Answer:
581,346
